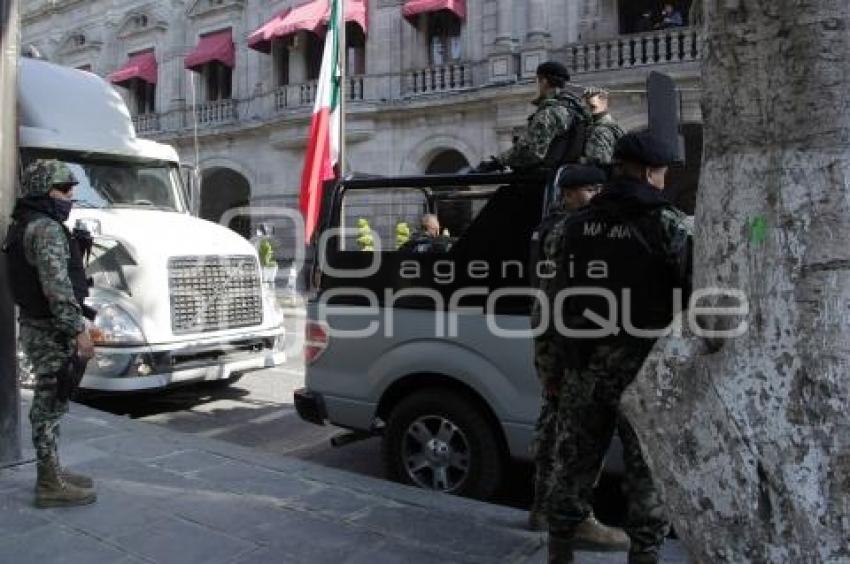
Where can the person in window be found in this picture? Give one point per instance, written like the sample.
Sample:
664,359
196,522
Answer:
556,113
671,17
428,238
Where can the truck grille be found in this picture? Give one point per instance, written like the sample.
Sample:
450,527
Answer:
214,293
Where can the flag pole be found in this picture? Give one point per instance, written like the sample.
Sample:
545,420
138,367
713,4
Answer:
343,71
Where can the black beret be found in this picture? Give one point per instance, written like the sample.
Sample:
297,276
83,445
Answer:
645,148
554,69
573,176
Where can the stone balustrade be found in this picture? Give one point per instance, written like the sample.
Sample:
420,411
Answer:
216,113
668,46
146,123
443,78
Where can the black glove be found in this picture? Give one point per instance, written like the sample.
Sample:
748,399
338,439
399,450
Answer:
490,165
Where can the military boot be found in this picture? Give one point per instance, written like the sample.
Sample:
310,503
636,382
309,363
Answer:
79,480
52,491
596,536
560,551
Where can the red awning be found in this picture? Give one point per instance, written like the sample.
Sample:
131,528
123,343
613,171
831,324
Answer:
141,65
261,38
214,47
413,8
312,17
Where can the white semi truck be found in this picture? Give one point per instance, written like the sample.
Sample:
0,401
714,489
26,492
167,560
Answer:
179,299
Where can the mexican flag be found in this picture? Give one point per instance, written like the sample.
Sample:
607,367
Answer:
324,142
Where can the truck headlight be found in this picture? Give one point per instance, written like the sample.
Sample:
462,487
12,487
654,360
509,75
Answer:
114,326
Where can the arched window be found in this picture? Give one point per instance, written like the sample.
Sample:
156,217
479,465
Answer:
355,42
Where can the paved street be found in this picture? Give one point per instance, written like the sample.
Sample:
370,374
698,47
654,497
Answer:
256,411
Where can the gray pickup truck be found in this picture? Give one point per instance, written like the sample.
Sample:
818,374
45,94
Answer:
427,347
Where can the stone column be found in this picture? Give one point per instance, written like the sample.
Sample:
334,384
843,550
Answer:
537,26
504,24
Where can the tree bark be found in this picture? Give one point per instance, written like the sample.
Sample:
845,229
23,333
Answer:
751,439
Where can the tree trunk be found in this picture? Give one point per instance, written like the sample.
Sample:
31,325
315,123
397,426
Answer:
751,438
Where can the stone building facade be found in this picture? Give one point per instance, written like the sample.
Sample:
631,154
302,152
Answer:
431,92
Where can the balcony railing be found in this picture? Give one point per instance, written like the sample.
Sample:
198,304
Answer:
299,95
444,78
146,123
215,113
674,45
354,88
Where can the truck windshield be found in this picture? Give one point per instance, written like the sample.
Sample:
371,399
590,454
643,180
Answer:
107,184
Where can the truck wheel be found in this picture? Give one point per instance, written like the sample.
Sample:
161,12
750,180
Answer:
440,440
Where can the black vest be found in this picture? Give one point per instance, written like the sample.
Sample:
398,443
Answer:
26,287
616,245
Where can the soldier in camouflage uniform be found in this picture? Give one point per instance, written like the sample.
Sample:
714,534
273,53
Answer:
578,185
646,244
48,283
603,133
556,113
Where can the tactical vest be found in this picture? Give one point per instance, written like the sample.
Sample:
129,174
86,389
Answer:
26,287
619,255
568,146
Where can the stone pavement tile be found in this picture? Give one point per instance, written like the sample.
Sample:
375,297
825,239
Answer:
61,545
141,445
172,540
73,454
113,515
146,483
225,511
18,519
394,553
250,479
338,502
467,537
188,461
80,426
309,539
17,477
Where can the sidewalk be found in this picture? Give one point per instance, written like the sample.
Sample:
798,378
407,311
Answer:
169,498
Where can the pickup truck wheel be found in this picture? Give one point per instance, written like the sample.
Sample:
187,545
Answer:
437,439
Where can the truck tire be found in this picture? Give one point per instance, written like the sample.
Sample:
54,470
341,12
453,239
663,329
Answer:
439,439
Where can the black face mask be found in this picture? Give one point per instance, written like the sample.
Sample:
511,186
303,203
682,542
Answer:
62,208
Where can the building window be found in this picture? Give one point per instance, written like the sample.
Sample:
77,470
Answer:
313,52
219,81
355,42
142,96
444,44
280,58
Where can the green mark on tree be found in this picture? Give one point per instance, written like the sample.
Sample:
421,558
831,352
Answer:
758,230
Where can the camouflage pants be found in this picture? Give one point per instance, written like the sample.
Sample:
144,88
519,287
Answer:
587,418
46,351
45,413
544,450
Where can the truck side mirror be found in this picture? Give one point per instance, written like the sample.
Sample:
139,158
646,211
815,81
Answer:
191,187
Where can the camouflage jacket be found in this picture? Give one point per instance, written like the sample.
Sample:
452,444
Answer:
602,136
46,248
554,115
